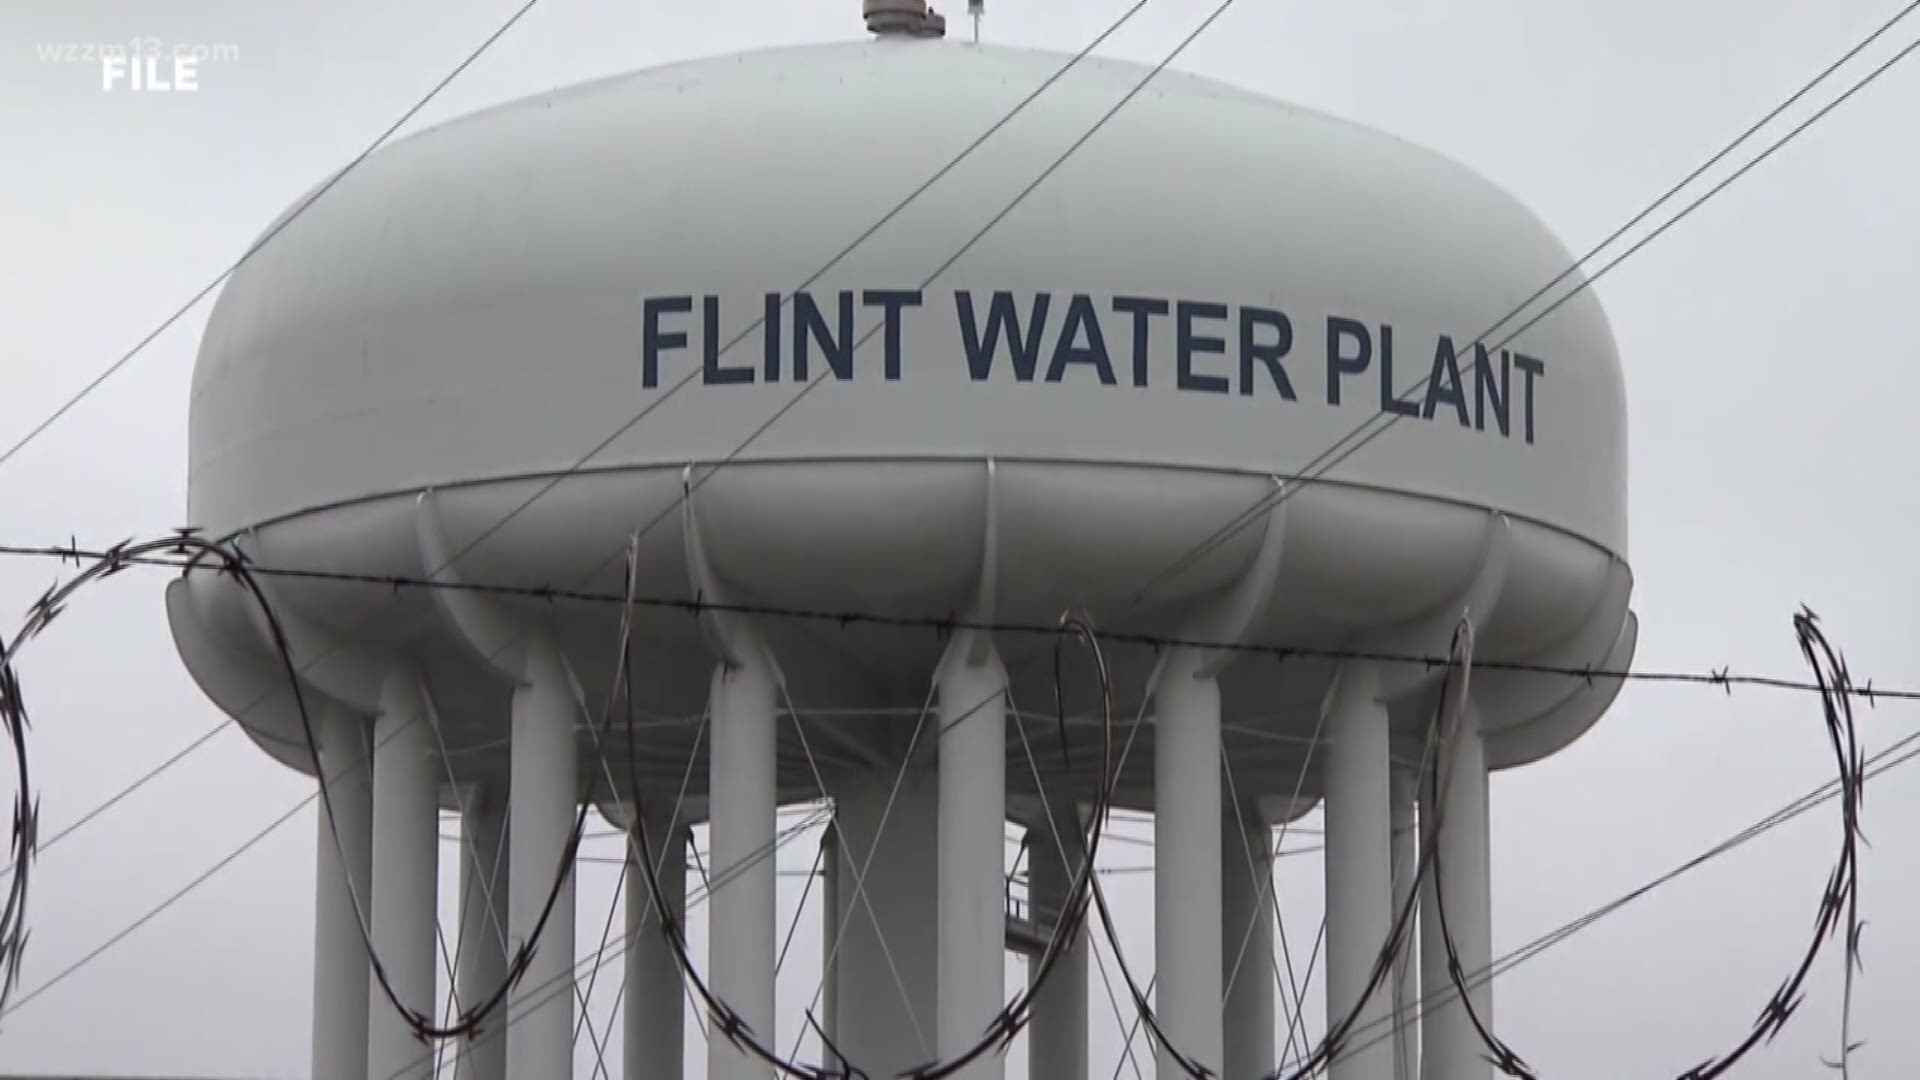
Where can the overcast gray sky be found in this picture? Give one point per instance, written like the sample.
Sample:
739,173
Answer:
1769,387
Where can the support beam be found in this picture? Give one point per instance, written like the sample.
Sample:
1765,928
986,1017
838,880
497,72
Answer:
741,938
654,1012
1450,1047
1057,1037
1246,870
1359,865
483,930
887,843
342,872
831,916
406,842
1406,971
972,857
1186,876
544,804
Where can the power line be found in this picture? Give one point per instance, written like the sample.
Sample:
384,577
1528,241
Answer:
1377,424
201,879
884,219
279,226
117,797
949,624
1723,678
1893,756
966,152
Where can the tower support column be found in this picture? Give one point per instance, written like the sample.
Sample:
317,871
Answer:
342,872
1246,871
654,1014
971,912
884,920
406,842
1406,969
1057,1037
544,801
745,801
832,915
1186,876
1359,864
1450,1047
483,929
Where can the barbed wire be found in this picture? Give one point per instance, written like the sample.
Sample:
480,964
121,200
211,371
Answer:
1449,706
24,832
1839,903
110,561
1833,681
193,553
727,1022
1723,678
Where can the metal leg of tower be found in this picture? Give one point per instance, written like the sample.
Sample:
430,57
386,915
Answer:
887,965
342,872
655,1014
1246,871
1057,1036
1406,971
972,851
406,840
1359,864
831,915
1450,1047
741,838
1186,876
483,931
542,807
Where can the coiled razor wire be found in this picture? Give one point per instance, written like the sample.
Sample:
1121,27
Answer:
1449,707
233,563
24,837
24,834
727,1023
1839,903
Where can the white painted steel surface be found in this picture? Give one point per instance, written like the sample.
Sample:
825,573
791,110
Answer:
1216,281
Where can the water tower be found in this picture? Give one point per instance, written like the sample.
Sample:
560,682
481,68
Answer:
1152,344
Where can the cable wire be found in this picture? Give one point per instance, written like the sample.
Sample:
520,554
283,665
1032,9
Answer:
1378,423
1723,678
1839,903
279,226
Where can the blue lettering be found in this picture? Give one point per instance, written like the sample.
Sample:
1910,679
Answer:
1530,368
1268,353
711,372
1187,344
810,326
1081,320
770,337
892,301
653,340
1025,349
1389,401
1443,383
1339,364
1142,309
1485,392
1208,356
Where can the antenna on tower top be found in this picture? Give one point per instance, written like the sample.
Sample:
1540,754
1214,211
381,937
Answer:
976,8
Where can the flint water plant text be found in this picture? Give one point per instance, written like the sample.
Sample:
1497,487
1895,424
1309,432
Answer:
1191,345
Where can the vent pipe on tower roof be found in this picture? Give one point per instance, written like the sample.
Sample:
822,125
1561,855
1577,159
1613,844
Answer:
903,18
